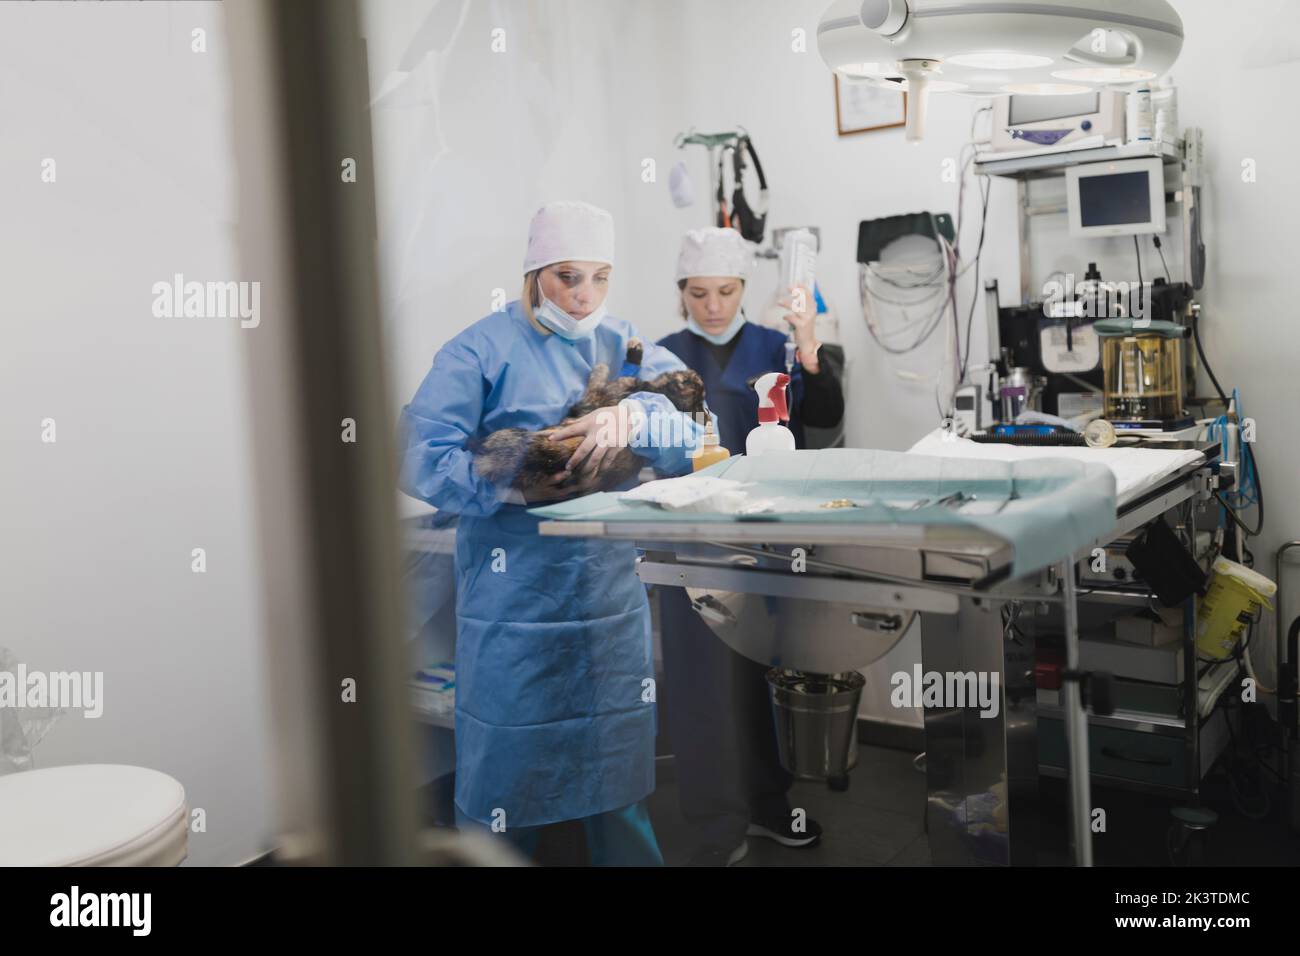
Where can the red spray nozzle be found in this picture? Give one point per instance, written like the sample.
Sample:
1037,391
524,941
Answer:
771,397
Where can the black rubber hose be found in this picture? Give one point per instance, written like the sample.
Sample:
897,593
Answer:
1200,350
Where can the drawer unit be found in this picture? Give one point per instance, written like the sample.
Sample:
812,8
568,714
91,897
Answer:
1140,757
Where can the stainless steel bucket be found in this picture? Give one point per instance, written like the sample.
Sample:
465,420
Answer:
816,718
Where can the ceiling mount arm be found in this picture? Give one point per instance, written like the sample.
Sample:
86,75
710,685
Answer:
918,74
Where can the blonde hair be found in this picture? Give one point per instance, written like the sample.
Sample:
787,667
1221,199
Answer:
530,298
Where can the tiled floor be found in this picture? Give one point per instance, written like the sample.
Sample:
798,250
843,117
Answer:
876,822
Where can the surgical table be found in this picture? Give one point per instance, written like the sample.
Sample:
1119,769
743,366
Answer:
829,591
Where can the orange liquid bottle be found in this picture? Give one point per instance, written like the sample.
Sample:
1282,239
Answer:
710,451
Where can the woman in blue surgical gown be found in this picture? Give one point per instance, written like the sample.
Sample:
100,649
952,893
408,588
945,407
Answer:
730,781
555,714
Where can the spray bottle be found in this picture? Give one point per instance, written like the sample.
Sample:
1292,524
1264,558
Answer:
770,435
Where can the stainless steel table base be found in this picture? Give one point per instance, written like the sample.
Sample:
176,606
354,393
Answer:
981,771
982,802
1076,727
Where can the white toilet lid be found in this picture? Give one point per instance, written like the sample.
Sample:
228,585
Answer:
92,815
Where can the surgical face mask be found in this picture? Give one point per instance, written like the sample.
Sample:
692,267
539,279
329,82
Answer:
565,325
721,338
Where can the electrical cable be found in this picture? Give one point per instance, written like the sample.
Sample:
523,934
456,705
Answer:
931,323
1259,489
1156,239
965,159
1232,513
1243,654
934,280
1200,350
1239,782
1137,249
986,189
940,281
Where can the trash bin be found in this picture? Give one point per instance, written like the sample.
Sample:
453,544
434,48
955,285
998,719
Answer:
816,718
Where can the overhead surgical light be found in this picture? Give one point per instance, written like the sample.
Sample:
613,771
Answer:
999,61
867,71
1106,74
1045,89
1053,46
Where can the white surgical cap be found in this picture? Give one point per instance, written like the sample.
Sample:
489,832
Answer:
714,252
569,231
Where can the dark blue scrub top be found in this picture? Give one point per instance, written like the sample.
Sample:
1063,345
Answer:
730,391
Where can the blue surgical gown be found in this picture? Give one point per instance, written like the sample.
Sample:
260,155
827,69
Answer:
555,704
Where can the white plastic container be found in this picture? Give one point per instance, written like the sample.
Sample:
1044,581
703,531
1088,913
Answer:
1164,104
771,435
1140,120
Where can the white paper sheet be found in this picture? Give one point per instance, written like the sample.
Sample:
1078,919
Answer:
1136,469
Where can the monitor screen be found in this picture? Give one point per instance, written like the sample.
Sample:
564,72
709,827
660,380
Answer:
1038,109
1115,200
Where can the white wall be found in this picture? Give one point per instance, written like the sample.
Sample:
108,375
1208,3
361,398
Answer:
1237,80
469,142
150,459
587,90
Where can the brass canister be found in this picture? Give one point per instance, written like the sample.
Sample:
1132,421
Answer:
1142,371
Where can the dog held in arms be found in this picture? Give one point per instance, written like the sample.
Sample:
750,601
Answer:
522,459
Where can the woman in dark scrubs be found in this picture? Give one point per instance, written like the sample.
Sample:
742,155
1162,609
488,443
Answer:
730,780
